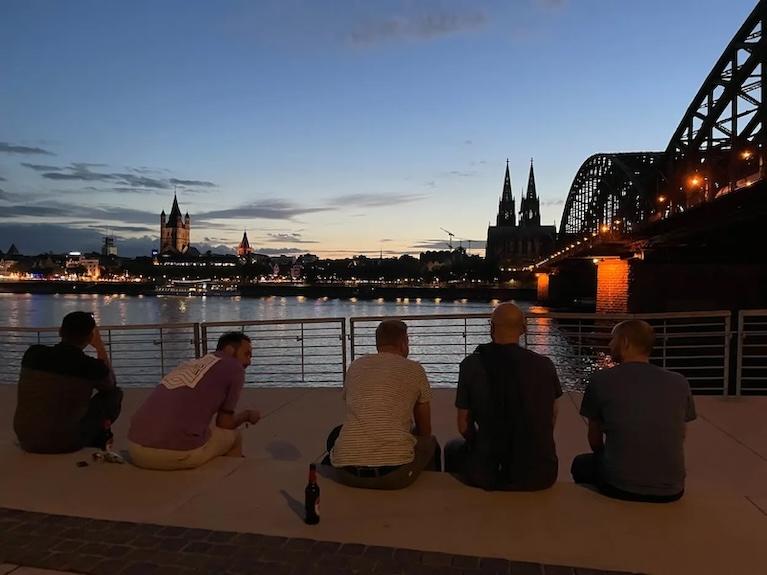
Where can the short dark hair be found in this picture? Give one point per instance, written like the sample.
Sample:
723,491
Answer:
234,338
390,332
77,327
638,333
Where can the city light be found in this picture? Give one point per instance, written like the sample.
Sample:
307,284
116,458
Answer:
695,181
662,199
604,228
746,154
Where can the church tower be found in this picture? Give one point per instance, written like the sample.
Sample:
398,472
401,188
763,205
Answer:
244,249
530,210
506,211
174,231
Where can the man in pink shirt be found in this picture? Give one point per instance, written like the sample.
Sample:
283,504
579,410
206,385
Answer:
174,428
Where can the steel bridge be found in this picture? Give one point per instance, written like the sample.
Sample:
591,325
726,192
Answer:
718,149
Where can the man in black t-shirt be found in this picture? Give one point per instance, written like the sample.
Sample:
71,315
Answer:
507,409
56,411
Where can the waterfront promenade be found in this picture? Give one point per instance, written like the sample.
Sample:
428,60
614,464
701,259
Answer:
717,528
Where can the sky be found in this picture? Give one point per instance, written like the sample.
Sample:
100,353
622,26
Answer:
337,128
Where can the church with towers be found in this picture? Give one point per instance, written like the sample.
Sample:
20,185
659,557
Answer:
174,231
512,244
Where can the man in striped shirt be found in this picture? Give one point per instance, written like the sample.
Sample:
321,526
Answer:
378,446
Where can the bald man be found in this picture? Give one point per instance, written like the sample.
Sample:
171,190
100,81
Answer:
507,408
637,416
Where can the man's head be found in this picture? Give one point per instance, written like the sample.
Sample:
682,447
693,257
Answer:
391,336
632,340
237,345
77,328
507,324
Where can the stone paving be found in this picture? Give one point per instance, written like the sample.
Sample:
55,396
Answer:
80,545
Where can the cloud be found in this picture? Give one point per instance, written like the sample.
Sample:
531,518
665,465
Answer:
289,238
431,184
374,200
58,210
279,251
7,148
467,142
463,173
417,26
2,179
9,197
558,202
443,244
265,209
41,167
553,3
199,183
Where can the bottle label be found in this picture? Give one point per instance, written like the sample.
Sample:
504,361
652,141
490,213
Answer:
317,507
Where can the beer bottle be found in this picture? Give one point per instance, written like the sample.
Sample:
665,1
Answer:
312,497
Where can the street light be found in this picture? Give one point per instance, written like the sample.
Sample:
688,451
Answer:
662,199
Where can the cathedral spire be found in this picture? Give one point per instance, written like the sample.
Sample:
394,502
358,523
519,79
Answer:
506,210
531,191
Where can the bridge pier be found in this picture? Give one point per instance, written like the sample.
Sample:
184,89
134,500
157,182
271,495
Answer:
612,285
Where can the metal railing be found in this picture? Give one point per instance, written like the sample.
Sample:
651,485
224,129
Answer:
314,352
694,344
288,351
140,354
752,352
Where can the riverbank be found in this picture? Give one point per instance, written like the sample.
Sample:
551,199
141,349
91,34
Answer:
76,287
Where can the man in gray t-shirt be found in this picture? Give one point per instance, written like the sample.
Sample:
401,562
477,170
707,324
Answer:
637,416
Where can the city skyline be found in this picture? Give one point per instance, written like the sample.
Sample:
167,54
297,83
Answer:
364,131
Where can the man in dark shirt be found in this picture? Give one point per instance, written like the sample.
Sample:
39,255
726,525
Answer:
507,409
56,411
637,416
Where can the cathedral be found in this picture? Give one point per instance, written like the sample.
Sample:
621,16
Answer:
174,233
523,244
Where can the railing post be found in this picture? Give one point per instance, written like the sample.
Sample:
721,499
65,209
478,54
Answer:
343,349
162,354
739,369
351,338
204,338
109,344
196,340
727,343
465,338
303,373
665,345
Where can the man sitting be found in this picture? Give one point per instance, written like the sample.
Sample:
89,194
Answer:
377,447
173,428
507,409
56,410
641,410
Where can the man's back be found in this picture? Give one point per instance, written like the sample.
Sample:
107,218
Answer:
643,409
179,418
55,386
510,393
380,391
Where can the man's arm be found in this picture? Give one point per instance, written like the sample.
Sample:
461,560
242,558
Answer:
596,435
422,418
465,424
230,420
101,371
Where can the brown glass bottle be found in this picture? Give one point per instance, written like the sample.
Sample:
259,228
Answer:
312,497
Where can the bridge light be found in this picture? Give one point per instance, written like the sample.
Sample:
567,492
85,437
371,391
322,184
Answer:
595,260
604,228
695,181
746,154
662,199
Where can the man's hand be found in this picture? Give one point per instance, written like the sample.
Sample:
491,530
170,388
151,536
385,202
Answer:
98,345
253,416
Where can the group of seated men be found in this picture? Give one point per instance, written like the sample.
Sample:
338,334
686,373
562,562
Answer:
506,412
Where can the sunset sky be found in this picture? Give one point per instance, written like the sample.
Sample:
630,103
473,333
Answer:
335,128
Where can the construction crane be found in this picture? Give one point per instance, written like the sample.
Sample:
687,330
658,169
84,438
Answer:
450,236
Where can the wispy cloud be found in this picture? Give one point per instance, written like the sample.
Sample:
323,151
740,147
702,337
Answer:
374,200
9,197
553,3
290,238
424,26
7,148
443,244
41,167
558,202
279,251
265,209
463,173
194,183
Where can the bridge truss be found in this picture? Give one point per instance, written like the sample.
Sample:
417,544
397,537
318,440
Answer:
718,147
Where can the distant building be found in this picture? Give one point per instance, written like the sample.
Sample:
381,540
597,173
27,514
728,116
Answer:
12,251
512,244
174,233
109,248
244,249
78,264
